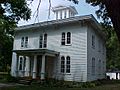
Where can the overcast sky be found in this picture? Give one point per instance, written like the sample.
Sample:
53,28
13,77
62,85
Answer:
82,8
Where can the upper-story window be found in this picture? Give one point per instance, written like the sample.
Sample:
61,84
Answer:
63,39
66,38
40,42
24,42
43,41
93,41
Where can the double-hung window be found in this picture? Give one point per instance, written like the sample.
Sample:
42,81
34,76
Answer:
62,64
24,42
66,38
43,41
65,64
93,66
63,39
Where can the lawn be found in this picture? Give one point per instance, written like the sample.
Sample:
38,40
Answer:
37,87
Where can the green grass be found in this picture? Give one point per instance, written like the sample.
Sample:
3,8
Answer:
37,87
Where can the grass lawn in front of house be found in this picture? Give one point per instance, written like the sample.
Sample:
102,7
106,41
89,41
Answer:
37,87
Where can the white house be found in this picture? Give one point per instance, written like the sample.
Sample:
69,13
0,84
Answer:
70,48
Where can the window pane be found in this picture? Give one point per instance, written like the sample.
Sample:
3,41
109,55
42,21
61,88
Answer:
40,42
62,64
45,40
67,64
20,63
26,42
63,39
22,42
68,38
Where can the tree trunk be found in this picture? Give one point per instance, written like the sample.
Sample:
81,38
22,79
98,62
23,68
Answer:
113,9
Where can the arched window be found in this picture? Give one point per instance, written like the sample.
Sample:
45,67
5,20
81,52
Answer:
45,40
41,41
68,38
68,64
22,42
62,64
63,39
26,42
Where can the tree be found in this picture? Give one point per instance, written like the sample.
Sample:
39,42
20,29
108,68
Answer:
11,11
109,11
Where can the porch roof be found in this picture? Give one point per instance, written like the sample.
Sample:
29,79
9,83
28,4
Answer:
36,51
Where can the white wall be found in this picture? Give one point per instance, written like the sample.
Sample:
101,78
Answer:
98,53
77,50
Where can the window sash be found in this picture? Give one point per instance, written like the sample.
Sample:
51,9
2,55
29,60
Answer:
26,42
22,42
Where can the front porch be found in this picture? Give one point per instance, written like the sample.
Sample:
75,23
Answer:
37,63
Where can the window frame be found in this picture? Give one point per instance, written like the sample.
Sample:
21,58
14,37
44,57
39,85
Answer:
93,41
62,69
22,42
68,66
93,66
68,39
63,39
26,42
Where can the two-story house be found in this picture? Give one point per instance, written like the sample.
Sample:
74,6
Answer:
70,48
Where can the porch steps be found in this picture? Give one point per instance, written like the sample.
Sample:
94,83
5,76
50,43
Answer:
25,80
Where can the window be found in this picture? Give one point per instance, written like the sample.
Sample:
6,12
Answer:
93,66
65,64
20,63
68,64
93,41
22,42
45,40
63,39
56,15
68,38
62,64
99,67
61,15
65,14
26,42
40,42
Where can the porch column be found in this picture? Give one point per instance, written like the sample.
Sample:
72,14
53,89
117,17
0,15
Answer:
43,68
34,67
27,69
16,66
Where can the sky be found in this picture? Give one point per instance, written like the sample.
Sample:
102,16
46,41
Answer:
82,7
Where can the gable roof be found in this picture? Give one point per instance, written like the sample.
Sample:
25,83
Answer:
86,18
